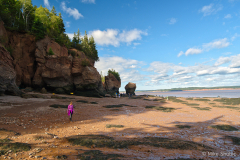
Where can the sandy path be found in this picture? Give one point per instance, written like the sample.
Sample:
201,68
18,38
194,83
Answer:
33,117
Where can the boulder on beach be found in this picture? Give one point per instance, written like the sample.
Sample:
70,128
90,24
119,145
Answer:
43,90
107,95
28,89
130,88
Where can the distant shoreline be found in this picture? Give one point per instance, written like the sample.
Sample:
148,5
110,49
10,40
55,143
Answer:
213,89
188,90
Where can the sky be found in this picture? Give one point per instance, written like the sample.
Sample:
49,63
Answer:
160,44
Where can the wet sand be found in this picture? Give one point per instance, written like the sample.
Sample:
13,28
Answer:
33,118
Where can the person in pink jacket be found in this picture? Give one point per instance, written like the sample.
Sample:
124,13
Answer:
70,110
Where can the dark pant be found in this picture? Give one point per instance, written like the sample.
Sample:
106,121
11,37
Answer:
71,113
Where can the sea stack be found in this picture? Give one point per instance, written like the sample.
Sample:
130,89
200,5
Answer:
130,88
112,85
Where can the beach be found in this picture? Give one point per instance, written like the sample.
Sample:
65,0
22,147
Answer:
122,128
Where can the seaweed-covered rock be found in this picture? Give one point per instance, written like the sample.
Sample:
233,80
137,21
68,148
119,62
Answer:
28,89
43,90
59,91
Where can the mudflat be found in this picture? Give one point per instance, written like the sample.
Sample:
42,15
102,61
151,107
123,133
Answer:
119,128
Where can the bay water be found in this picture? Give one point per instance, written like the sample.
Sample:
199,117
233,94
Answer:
235,93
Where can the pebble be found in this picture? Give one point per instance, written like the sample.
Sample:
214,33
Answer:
56,137
10,158
31,156
44,158
38,150
37,156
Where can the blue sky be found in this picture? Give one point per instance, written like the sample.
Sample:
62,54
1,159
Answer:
160,44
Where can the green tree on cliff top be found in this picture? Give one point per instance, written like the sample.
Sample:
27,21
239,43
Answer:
21,15
115,73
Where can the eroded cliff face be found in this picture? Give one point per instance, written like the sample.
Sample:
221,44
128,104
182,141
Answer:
34,67
52,71
112,85
7,74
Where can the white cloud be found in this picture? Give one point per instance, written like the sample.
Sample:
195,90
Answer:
72,12
88,1
190,51
193,51
171,75
215,44
114,37
210,9
135,44
235,61
108,37
129,36
70,35
160,67
228,16
180,53
235,27
67,24
133,66
211,79
235,36
164,35
168,73
173,20
126,68
220,43
222,60
46,3
227,53
218,70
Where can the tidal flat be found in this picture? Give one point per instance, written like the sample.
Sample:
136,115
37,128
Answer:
119,128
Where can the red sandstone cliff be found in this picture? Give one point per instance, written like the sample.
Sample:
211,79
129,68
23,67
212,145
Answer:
60,72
